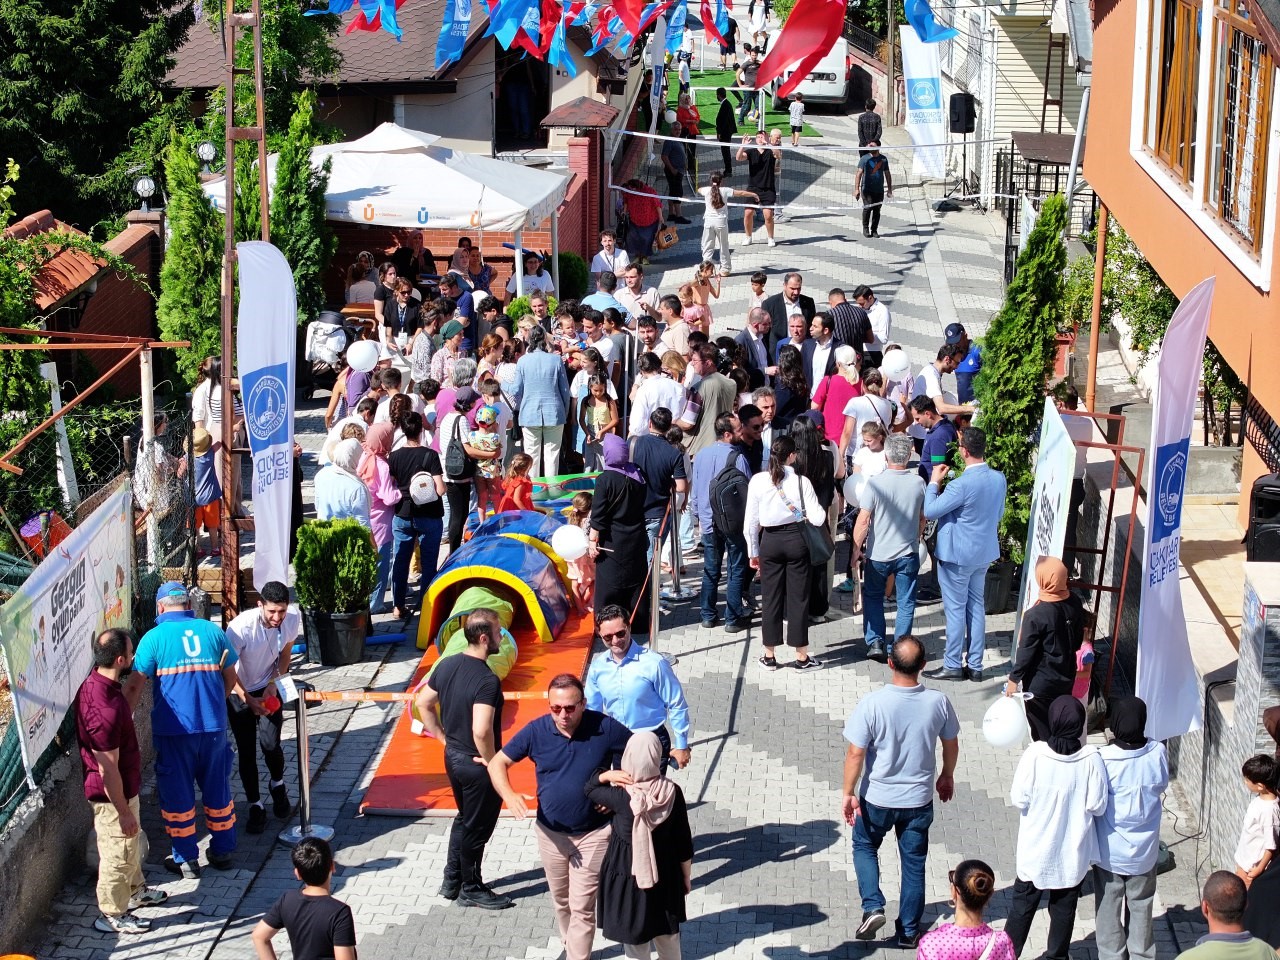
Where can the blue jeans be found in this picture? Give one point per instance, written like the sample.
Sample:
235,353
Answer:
875,575
965,605
686,530
714,547
912,829
651,527
405,535
378,602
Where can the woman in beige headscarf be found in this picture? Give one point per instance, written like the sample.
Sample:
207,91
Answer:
646,870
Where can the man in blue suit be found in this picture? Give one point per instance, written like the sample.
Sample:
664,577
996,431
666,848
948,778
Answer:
541,393
968,514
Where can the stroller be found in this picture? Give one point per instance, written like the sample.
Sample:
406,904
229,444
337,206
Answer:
326,340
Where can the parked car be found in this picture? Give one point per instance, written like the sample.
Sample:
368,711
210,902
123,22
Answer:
828,83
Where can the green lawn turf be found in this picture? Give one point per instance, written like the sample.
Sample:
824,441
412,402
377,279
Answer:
706,103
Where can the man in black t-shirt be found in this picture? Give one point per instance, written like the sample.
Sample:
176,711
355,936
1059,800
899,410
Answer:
762,180
320,926
663,467
469,696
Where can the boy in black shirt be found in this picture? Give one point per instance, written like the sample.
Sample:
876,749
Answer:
320,926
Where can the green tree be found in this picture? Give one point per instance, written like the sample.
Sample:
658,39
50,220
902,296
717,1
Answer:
76,79
1017,361
191,278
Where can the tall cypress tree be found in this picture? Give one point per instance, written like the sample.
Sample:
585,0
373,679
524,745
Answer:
189,307
1017,361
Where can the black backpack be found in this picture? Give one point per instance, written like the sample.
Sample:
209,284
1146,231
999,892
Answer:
458,467
729,500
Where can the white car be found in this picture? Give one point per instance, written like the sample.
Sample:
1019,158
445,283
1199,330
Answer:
827,83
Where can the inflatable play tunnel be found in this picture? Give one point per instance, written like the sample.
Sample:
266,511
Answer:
507,563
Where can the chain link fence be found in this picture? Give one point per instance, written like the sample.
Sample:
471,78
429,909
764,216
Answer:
67,470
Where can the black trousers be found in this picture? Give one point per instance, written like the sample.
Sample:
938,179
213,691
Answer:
252,732
1062,917
478,809
785,570
871,201
459,495
726,154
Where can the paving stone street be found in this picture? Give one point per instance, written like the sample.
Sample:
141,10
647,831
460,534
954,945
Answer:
773,872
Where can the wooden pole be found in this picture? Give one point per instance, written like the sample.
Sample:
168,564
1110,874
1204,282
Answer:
1095,321
230,534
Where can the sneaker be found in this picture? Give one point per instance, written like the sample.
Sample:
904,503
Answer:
280,804
907,941
773,242
450,889
768,663
848,585
220,861
737,626
484,898
808,663
125,923
257,819
713,622
188,870
871,922
746,239
147,897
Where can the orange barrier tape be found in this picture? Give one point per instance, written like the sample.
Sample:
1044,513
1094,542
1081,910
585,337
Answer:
374,696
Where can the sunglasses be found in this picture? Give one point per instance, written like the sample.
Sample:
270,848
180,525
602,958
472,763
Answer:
951,877
558,708
620,635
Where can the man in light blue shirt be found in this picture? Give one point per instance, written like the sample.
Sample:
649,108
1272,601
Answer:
603,298
715,543
637,687
968,514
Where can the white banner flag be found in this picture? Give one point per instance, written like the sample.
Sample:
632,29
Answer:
1050,499
922,79
1167,678
266,345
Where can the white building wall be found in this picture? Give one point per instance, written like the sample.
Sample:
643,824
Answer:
463,120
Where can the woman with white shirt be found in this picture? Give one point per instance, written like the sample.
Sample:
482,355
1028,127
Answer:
715,220
872,407
1061,789
206,412
778,501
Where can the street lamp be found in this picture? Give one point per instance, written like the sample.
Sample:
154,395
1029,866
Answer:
145,188
206,151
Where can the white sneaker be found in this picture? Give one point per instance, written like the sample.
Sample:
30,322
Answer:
773,242
746,239
126,923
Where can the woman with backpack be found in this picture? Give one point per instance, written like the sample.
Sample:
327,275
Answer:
458,457
419,519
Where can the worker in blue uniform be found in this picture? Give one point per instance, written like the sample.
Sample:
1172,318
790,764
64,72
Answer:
193,667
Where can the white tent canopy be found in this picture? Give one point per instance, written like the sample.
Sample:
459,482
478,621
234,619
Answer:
397,177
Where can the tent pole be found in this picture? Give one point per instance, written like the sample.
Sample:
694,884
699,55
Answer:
555,249
519,265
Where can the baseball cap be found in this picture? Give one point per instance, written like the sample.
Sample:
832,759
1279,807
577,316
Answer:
954,333
816,416
487,414
172,590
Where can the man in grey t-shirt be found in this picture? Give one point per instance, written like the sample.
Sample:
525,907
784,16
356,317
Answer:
890,521
893,735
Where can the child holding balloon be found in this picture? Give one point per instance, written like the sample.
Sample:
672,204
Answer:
582,572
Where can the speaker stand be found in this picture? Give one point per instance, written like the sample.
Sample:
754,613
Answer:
961,188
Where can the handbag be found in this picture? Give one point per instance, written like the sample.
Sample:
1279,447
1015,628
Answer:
816,538
667,237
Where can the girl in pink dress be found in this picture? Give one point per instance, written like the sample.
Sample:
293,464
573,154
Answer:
694,314
968,937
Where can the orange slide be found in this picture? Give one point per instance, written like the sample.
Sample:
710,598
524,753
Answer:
410,780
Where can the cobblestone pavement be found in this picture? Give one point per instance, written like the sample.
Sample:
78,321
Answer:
773,874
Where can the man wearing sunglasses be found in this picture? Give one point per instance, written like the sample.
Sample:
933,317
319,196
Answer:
567,746
638,688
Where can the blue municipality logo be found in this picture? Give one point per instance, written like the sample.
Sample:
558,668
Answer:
267,406
1169,478
924,94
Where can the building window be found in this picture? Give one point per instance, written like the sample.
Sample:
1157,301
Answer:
1175,74
1241,118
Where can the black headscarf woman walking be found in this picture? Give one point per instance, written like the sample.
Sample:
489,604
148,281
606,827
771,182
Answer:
618,540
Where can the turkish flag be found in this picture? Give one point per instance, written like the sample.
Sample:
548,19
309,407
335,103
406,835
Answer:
810,32
629,11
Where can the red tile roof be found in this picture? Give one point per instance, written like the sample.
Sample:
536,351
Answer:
582,112
64,274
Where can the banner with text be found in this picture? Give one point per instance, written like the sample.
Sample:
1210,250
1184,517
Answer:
1050,499
83,587
1167,678
266,336
926,119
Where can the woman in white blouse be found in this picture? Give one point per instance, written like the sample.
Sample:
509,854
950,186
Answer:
1060,787
779,500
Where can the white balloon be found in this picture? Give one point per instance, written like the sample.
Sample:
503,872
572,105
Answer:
851,489
1005,723
669,116
570,541
895,365
363,356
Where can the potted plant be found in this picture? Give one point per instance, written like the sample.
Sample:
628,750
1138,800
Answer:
1018,356
519,306
335,569
575,276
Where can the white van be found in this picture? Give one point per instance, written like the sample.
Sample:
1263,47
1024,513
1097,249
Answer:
827,83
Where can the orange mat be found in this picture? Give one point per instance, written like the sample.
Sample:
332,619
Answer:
410,780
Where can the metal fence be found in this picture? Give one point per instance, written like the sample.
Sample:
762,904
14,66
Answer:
66,472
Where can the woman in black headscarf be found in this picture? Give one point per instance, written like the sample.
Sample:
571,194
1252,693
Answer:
1060,788
617,539
1129,835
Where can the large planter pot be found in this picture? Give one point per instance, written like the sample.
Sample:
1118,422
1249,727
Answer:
1065,343
335,639
999,593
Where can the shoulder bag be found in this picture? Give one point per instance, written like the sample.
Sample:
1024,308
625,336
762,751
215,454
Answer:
816,538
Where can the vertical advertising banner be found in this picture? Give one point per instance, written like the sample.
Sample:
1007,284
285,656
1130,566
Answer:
266,334
926,120
84,586
1050,502
1167,678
